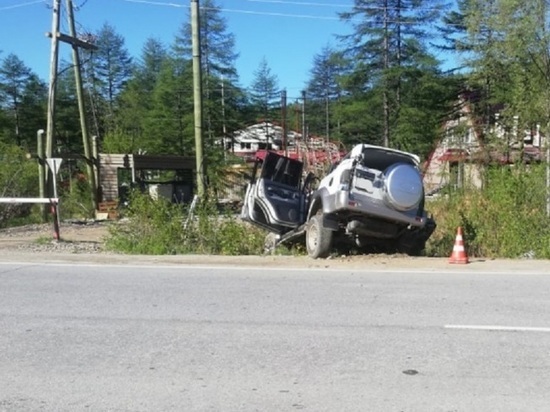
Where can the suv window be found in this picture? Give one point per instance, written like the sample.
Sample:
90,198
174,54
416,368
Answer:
381,160
282,170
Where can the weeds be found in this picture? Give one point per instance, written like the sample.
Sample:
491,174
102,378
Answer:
157,227
76,200
18,178
43,240
506,219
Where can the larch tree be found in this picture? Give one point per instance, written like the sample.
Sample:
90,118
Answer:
454,31
33,110
68,133
169,123
510,60
324,89
14,78
107,71
217,44
264,90
136,99
218,58
388,37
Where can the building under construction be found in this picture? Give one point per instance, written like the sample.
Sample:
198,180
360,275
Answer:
315,152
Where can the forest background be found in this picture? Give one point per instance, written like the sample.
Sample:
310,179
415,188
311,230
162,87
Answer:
382,84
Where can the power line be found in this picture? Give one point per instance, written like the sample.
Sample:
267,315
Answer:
159,3
236,11
264,13
155,3
275,14
300,3
339,5
306,16
15,6
81,5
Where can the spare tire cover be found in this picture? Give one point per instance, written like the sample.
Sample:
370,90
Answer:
403,186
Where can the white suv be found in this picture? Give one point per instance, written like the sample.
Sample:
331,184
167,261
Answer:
373,199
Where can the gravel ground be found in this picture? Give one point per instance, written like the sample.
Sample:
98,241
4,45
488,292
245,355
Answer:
75,237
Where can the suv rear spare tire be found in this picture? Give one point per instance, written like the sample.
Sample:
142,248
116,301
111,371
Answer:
403,186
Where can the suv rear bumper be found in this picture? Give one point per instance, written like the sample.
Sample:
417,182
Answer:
356,203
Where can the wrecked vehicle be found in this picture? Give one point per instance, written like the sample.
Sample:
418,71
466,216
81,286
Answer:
372,200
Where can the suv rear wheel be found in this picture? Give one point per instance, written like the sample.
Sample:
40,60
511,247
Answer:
318,238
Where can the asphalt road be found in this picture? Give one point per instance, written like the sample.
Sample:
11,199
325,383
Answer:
163,337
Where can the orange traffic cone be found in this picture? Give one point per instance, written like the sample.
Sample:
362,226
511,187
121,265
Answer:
459,252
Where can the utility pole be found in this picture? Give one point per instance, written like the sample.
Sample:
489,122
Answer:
224,127
197,93
53,79
304,130
385,92
327,119
547,148
90,161
76,43
41,172
283,121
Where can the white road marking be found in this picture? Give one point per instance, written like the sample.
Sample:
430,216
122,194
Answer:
174,264
498,328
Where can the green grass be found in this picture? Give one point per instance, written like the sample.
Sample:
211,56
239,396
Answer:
162,228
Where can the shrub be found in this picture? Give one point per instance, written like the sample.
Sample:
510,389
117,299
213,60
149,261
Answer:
76,200
506,219
18,178
161,227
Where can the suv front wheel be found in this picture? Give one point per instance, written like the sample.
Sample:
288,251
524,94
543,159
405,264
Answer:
318,238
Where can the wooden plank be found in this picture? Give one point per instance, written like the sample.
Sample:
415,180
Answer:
109,209
160,162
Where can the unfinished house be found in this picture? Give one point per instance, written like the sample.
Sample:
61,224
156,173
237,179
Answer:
468,146
171,177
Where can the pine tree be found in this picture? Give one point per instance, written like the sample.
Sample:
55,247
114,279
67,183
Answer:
454,30
218,58
388,38
169,124
324,89
107,71
511,59
136,100
33,110
68,134
264,90
14,78
217,44
153,56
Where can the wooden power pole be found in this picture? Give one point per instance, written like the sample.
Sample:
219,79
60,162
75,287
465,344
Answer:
283,121
90,161
76,43
197,93
53,79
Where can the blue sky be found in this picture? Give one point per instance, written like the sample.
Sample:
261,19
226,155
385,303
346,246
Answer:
288,33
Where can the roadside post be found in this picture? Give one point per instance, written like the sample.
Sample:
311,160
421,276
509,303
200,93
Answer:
54,164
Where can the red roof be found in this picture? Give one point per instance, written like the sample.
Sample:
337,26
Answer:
453,155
